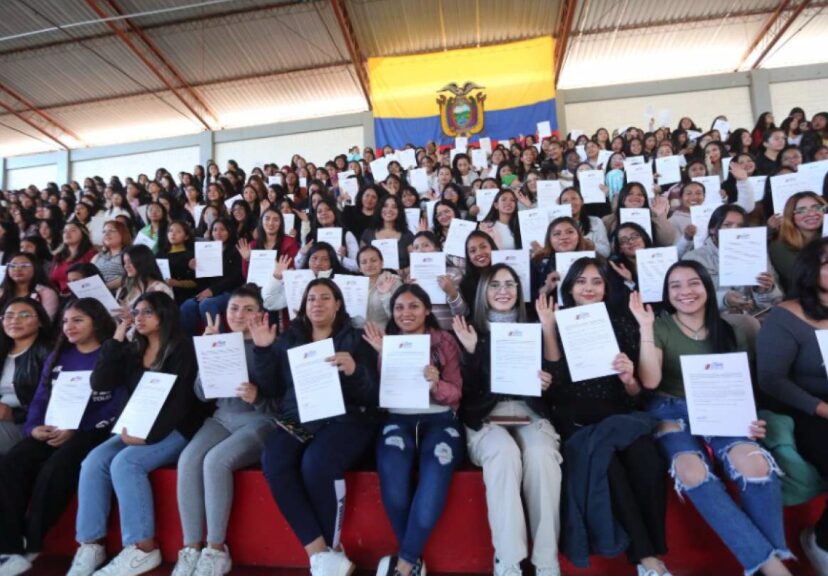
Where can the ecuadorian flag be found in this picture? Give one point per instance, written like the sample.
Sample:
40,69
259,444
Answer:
496,91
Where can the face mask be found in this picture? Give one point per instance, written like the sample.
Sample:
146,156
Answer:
354,157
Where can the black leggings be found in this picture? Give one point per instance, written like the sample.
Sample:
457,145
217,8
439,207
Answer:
638,490
40,479
811,434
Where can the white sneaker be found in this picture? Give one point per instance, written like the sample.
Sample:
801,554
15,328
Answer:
817,556
132,561
187,561
13,565
331,563
502,569
214,563
644,572
548,571
88,557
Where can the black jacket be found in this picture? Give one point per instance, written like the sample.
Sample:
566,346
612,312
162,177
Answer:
27,369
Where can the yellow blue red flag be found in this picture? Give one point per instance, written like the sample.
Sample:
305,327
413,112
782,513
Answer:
495,91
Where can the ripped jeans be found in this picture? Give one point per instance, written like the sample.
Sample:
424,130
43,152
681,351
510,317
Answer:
431,442
754,530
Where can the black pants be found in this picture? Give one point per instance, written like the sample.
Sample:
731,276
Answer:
638,490
811,434
40,479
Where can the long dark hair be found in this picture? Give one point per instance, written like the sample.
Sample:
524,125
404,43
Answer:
805,279
44,331
336,266
170,337
625,192
391,327
330,204
9,286
143,260
102,323
719,332
342,318
576,269
494,215
83,247
400,223
261,236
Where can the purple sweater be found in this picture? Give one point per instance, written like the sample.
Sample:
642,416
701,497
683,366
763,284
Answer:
103,407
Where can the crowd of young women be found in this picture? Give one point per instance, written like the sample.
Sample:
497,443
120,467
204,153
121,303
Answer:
615,438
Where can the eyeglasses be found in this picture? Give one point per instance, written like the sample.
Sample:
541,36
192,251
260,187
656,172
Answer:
633,237
22,316
26,265
808,210
496,286
144,312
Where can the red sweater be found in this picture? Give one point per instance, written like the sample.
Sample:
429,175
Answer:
60,268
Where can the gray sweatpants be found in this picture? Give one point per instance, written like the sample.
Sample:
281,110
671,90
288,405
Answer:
205,476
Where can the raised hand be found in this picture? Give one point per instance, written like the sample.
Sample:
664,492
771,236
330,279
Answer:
690,232
546,308
448,286
373,335
125,322
385,282
243,247
621,270
466,333
261,332
660,206
643,313
282,265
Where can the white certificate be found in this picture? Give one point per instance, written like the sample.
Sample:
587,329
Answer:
556,211
228,203
222,365
458,231
642,174
565,259
652,265
164,267
379,169
743,255
533,225
208,256
261,267
315,381
635,160
668,169
331,236
402,377
429,209
757,185
814,174
723,127
144,239
290,220
544,129
588,341
518,260
68,400
461,143
453,153
712,189
486,145
693,135
94,287
355,293
516,359
418,178
274,179
548,193
822,340
350,186
484,199
303,182
390,250
582,154
719,394
591,182
726,167
603,159
425,269
412,219
575,133
783,187
295,281
640,216
407,158
479,159
700,217
199,209
145,404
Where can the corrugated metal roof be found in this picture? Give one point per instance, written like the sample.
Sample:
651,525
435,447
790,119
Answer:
803,43
393,27
18,138
38,15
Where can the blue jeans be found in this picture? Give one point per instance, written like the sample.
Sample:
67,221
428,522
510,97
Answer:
193,311
433,442
754,532
114,465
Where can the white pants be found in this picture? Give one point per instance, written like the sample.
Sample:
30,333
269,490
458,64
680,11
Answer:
515,457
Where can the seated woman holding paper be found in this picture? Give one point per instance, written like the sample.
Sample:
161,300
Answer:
154,233
563,235
25,343
633,196
39,475
215,294
791,370
141,275
383,283
599,421
270,234
428,436
754,530
801,224
359,216
232,439
501,223
390,223
325,215
25,277
510,436
305,461
116,237
124,461
427,242
592,227
692,194
76,248
179,254
322,260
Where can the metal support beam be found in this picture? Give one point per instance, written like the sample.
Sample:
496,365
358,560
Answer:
780,33
153,67
42,114
344,21
563,34
763,32
34,125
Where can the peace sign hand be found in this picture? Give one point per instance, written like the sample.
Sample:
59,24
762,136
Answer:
213,327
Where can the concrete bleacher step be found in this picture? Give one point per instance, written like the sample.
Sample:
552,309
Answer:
260,539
